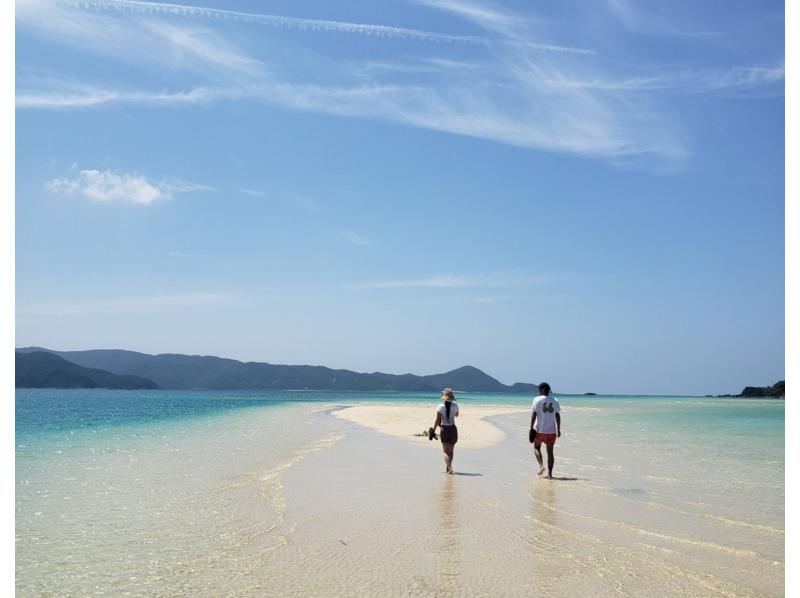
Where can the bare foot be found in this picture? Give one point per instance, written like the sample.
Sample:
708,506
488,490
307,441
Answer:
541,471
451,472
549,476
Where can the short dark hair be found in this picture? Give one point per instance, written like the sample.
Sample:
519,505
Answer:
544,388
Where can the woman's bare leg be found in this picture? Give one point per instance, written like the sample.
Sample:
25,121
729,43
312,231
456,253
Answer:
448,457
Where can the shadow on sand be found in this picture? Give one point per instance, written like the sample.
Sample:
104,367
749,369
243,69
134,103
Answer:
468,474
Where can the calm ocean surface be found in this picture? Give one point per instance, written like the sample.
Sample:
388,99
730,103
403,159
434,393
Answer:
43,411
113,486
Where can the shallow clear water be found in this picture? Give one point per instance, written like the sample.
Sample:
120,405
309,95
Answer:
253,493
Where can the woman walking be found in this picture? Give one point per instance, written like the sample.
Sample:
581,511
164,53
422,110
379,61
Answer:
446,414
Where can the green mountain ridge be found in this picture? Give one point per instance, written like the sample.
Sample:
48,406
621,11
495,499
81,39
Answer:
42,369
176,371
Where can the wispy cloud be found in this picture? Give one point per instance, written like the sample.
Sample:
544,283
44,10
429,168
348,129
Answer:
252,192
354,238
652,20
297,24
72,95
738,78
236,159
578,124
207,47
420,66
488,16
122,305
181,186
499,109
145,42
514,86
108,186
680,81
451,281
512,28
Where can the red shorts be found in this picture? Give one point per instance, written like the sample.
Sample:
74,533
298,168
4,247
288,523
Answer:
546,438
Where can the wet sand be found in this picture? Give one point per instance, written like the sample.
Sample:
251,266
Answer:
375,515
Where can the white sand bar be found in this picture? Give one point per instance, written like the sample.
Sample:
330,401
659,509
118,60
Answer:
406,420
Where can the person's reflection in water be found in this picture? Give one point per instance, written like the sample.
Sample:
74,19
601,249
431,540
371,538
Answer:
448,530
547,539
544,503
448,516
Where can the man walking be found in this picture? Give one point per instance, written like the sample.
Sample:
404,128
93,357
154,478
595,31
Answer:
546,421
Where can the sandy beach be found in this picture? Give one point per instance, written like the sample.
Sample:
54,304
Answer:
378,516
342,499
408,421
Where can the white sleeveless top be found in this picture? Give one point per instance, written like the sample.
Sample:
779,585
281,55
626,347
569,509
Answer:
453,412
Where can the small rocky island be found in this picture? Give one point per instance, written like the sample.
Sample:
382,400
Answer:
776,391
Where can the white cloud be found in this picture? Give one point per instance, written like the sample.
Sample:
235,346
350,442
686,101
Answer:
180,186
108,186
61,95
578,123
514,29
489,16
206,47
738,78
655,20
141,42
354,238
252,192
508,106
294,23
686,80
508,90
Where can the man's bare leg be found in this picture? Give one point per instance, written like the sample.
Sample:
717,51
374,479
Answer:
537,450
551,459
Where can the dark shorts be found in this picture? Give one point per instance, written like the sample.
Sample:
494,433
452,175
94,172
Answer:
449,435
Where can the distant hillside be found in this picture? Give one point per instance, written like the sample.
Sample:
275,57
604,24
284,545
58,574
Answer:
776,390
41,369
173,371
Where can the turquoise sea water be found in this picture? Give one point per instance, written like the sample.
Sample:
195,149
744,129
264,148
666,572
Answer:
114,486
751,428
41,411
732,440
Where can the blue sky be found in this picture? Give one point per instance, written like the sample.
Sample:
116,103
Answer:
589,193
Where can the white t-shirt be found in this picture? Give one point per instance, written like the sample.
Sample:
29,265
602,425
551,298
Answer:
546,407
453,412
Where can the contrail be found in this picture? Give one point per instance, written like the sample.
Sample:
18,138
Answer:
300,24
